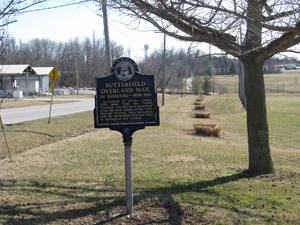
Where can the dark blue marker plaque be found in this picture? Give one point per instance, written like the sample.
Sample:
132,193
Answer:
126,100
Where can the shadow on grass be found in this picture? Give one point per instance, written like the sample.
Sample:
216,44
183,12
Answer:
91,202
29,131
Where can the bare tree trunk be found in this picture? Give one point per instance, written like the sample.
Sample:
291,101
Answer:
260,161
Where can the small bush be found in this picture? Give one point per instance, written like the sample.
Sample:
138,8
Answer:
207,85
207,129
203,115
197,84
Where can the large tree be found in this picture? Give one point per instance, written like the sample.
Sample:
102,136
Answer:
266,27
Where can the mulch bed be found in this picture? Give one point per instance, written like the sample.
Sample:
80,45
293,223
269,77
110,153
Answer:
199,107
207,129
203,115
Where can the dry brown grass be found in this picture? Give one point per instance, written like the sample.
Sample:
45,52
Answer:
203,115
207,129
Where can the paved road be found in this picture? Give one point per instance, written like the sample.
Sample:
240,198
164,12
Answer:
19,115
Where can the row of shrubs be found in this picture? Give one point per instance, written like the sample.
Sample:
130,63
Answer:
204,129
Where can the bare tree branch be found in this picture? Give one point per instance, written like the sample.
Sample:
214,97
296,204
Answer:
209,55
281,15
189,25
7,23
286,41
278,28
10,8
292,51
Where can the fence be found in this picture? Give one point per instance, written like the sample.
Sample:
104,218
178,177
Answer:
287,82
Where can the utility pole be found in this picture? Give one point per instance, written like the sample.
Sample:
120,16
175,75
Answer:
77,55
77,77
187,70
164,71
211,69
106,37
146,48
181,84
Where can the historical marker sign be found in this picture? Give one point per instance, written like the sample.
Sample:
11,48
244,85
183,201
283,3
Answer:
126,98
126,101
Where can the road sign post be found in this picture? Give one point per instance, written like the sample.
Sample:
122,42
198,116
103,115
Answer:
54,76
126,101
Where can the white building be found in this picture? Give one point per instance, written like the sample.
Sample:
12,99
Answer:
43,74
24,78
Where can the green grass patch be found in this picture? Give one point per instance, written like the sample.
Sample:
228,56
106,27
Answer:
178,177
283,116
28,135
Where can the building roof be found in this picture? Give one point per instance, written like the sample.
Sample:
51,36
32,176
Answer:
23,69
42,70
14,69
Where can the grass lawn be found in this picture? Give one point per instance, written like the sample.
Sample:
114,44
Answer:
178,177
28,135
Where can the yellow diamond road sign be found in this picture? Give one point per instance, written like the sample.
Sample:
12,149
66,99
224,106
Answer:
54,75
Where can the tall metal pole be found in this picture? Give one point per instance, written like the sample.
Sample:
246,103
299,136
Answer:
77,76
128,176
181,84
106,37
211,70
50,110
164,71
186,71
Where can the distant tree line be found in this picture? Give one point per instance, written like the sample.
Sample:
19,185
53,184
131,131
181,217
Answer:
87,58
182,64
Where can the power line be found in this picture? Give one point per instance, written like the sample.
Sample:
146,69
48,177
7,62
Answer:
54,7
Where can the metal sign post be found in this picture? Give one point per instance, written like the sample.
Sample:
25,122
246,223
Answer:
127,140
126,101
128,176
54,76
50,110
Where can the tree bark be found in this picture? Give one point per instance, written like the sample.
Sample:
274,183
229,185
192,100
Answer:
260,161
